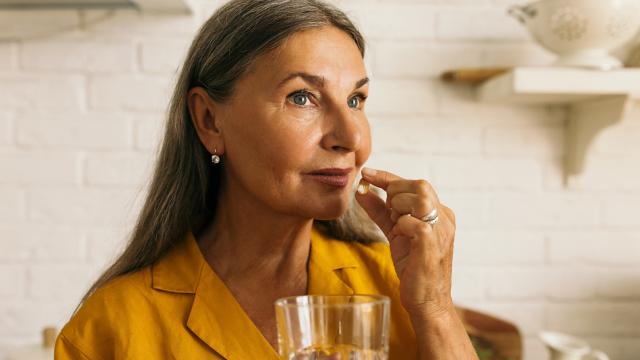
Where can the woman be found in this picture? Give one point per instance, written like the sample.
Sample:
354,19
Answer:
250,202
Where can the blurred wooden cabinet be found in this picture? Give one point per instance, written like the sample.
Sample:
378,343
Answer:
493,338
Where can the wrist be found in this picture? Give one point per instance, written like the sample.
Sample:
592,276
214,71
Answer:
442,335
433,315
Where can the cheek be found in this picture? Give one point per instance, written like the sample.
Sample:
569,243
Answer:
294,153
285,153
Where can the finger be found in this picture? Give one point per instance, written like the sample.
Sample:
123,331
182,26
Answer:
400,263
419,187
447,226
450,214
414,229
379,178
416,205
440,233
400,247
395,215
375,207
409,226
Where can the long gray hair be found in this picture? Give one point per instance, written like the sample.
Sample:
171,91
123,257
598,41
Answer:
184,187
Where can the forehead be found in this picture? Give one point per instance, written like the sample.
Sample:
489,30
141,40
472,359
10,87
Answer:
326,51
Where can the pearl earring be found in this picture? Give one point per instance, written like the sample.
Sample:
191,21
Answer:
215,158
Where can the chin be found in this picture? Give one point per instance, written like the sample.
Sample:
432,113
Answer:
331,212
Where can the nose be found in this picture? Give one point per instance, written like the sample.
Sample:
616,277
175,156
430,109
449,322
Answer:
345,130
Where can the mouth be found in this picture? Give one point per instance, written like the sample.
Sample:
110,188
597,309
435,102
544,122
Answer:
333,176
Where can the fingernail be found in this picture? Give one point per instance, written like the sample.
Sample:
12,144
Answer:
368,171
363,187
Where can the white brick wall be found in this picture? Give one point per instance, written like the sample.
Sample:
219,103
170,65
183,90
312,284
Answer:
93,54
82,97
50,91
91,131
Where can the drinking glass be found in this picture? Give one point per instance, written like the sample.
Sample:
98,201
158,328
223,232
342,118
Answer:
333,327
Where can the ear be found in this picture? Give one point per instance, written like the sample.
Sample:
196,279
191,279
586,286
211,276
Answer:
206,118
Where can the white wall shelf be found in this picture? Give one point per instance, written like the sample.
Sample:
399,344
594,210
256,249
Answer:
164,6
597,100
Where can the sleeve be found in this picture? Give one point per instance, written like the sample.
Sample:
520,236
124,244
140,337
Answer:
65,349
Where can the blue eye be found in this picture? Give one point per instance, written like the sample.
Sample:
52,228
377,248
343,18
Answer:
300,98
356,101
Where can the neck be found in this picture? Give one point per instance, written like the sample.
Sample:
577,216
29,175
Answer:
248,242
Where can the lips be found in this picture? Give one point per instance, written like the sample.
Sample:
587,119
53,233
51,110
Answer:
332,176
332,171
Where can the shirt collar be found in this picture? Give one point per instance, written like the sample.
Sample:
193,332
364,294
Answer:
184,270
179,271
328,257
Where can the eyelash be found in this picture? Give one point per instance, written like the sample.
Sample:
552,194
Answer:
308,93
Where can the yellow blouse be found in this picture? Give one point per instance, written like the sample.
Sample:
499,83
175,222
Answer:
178,308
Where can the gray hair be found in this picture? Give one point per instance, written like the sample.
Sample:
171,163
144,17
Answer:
184,186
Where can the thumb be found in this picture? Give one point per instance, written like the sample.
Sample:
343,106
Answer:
375,207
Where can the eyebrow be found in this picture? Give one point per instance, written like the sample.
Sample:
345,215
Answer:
316,80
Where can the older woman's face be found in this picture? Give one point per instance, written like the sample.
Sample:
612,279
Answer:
299,110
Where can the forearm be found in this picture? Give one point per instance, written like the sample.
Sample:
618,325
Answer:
443,338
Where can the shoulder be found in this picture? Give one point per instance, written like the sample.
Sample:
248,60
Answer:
96,328
120,296
130,316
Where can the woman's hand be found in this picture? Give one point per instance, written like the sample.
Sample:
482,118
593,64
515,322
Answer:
422,253
422,256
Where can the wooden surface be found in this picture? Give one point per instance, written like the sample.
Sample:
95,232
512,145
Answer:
472,75
503,336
